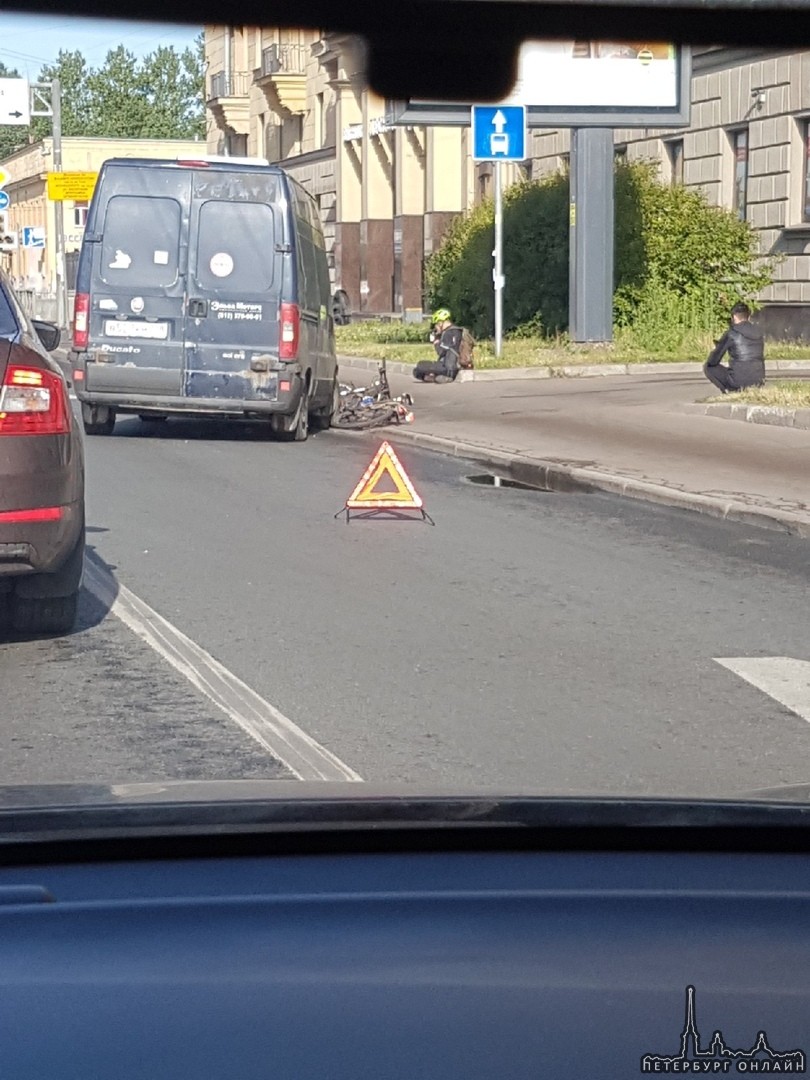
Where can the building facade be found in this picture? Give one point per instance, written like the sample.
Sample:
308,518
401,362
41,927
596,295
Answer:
747,148
386,194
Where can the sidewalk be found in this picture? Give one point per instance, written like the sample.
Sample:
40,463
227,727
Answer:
633,436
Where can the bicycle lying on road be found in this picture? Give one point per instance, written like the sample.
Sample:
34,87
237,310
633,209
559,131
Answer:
364,407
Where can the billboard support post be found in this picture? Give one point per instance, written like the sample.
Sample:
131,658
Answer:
590,302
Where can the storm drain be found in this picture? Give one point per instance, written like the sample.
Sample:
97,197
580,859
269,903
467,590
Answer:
549,480
490,480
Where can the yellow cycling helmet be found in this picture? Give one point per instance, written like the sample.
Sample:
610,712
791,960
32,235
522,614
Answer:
442,315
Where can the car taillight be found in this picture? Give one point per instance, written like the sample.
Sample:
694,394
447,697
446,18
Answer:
33,402
25,517
81,320
288,335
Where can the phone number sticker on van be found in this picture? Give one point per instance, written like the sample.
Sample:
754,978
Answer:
237,309
157,331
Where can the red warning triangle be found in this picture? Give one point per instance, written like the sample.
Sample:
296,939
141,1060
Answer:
386,469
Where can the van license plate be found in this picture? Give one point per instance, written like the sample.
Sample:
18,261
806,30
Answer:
157,330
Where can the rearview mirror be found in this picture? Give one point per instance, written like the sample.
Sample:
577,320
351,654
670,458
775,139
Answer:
48,333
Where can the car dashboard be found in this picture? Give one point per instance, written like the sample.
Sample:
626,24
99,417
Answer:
459,939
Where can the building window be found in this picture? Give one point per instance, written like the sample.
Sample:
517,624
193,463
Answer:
79,215
739,142
806,188
675,155
272,142
320,118
261,148
237,145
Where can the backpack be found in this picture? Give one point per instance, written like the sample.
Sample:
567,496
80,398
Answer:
465,349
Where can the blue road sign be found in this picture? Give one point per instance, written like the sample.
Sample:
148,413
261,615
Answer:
33,236
499,132
4,200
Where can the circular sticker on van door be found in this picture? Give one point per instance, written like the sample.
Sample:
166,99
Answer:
221,264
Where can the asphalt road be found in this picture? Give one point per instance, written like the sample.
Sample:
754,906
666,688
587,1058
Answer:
528,641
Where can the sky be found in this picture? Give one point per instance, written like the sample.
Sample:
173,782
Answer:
29,41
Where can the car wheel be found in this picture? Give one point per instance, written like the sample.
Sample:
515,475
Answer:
98,419
46,603
299,428
323,420
46,615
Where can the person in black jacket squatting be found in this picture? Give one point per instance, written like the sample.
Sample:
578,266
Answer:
745,345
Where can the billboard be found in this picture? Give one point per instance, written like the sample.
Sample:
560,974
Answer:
584,84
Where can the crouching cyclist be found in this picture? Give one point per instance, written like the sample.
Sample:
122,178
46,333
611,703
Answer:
450,343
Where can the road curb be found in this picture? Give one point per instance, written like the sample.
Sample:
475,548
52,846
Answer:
553,476
568,371
774,415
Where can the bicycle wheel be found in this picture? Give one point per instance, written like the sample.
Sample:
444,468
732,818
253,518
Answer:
367,417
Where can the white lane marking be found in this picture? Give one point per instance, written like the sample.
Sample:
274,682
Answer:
783,678
303,756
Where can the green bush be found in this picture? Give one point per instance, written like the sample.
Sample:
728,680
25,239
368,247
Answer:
459,274
679,263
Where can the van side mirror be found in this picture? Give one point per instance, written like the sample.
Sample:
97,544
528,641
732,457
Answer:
48,333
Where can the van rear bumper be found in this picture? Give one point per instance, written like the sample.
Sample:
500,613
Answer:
286,404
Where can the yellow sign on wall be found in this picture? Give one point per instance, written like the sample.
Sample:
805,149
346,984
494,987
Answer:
74,186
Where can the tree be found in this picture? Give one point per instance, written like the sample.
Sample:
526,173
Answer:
118,104
172,85
11,137
162,97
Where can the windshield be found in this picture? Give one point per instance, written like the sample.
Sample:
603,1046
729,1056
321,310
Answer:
428,445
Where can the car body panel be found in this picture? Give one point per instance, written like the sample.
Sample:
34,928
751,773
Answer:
37,471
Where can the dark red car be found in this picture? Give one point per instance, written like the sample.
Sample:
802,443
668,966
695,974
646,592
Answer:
41,479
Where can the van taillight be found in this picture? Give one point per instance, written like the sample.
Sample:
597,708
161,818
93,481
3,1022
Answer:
33,402
288,337
81,320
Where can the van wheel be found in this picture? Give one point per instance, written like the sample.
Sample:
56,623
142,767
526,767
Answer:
324,418
299,428
98,419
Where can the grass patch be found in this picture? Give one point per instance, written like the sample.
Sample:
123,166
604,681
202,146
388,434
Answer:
408,342
783,393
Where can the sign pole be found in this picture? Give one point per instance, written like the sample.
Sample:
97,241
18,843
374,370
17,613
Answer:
58,210
499,134
498,277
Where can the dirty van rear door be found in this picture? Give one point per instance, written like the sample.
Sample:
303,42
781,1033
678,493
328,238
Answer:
235,284
136,313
